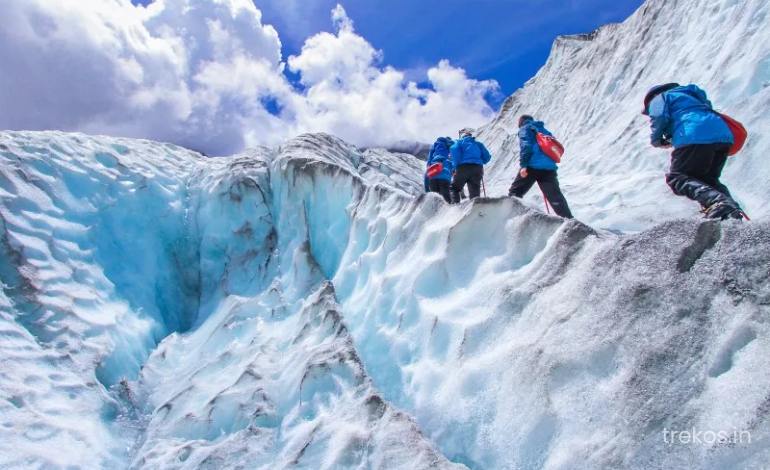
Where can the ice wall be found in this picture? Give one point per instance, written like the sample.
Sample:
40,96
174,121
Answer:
94,268
590,91
271,378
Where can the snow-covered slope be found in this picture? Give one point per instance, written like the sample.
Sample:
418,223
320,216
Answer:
590,94
302,308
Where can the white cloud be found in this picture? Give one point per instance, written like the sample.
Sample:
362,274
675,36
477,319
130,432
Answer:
200,74
341,19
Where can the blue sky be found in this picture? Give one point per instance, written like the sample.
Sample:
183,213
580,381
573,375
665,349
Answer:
504,40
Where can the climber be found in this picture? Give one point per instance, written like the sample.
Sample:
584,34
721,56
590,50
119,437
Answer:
536,166
682,117
469,158
439,156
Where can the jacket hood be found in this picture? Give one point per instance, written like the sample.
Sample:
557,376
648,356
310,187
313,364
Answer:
440,147
692,90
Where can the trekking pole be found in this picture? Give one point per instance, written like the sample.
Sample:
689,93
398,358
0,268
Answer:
483,187
545,201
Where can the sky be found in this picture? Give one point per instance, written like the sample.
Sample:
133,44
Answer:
222,75
502,40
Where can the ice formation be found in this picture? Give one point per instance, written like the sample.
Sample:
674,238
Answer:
309,307
111,245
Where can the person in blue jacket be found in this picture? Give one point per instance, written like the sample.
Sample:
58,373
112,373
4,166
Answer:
439,153
469,157
537,167
682,117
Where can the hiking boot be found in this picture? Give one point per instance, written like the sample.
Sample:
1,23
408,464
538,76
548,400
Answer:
723,211
740,215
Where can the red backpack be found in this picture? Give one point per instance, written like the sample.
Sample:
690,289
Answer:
435,169
550,146
740,134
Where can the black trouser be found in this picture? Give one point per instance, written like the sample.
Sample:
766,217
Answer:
441,187
695,172
549,184
470,175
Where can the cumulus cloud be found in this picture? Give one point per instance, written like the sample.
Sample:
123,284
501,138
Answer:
210,76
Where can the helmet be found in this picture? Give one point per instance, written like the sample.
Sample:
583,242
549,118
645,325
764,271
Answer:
655,91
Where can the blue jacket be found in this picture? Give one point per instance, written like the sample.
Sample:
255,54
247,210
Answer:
467,151
531,156
439,153
684,116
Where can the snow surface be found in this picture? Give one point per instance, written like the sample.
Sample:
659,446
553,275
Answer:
309,307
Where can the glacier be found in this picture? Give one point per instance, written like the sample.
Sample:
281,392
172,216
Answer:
307,306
